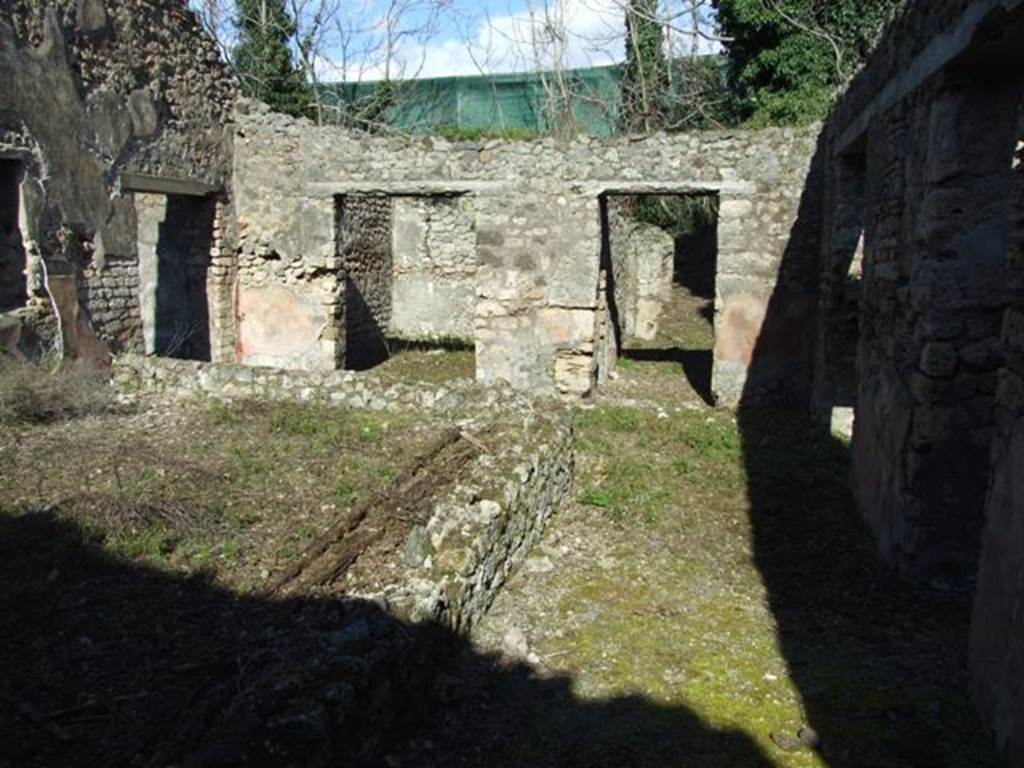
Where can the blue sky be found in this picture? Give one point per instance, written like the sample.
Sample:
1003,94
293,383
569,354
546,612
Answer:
434,38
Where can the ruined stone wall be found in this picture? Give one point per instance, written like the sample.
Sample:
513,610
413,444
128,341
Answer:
538,232
641,257
433,279
997,631
921,158
91,89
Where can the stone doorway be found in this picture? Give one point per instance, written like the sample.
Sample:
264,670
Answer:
175,241
660,257
409,266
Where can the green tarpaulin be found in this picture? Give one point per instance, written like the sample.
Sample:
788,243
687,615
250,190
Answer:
490,104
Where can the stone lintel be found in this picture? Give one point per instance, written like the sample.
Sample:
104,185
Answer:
162,185
407,188
633,187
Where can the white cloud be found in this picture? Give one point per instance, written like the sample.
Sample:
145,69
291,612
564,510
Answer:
537,34
570,33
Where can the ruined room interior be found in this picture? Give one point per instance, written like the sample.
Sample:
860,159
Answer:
333,447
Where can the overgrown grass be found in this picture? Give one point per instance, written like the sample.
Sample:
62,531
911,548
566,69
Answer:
637,463
737,561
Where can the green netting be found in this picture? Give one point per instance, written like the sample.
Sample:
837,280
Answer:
489,104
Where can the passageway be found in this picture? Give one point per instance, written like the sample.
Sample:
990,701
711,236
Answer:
661,254
175,239
408,264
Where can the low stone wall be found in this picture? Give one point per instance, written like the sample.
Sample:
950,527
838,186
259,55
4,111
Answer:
452,567
353,389
359,655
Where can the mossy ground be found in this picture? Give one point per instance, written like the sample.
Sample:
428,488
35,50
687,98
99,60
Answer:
712,585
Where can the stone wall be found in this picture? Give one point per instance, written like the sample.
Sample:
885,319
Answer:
997,632
920,152
93,90
641,257
538,233
433,282
352,389
935,246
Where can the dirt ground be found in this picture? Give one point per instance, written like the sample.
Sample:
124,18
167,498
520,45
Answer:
710,598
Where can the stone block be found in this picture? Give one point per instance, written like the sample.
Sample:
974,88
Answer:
938,359
985,355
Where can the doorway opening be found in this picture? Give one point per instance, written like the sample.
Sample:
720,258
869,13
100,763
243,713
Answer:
175,240
841,296
660,254
409,266
13,281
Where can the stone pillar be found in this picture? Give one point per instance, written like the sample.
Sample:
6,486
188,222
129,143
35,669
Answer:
537,291
761,310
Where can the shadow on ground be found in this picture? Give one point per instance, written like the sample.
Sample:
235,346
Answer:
110,663
695,364
881,667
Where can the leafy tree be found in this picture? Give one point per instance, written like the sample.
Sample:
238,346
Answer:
263,58
645,78
788,58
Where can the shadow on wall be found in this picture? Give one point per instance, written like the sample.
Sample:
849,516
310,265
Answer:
111,663
183,259
880,666
366,342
